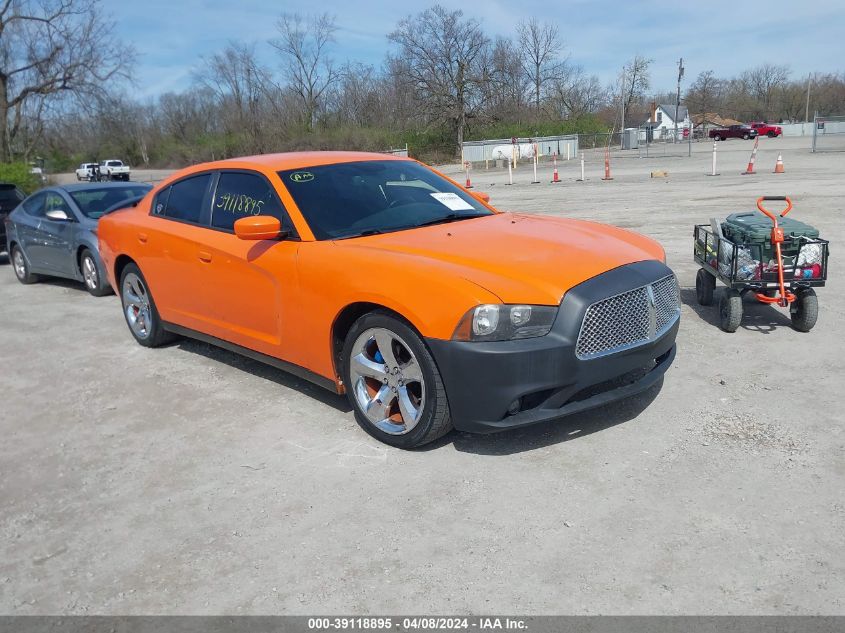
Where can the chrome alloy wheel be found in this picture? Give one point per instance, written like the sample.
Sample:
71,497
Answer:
19,263
387,381
89,272
136,305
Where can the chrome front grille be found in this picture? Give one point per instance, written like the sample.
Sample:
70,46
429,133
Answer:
628,319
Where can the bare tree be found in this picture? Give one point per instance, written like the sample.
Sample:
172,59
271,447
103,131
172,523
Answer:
705,94
574,94
763,83
636,80
442,53
304,44
240,83
539,45
50,49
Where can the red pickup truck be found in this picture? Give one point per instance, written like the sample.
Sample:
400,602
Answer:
765,129
733,131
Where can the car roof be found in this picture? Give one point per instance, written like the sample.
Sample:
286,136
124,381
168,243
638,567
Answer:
294,160
99,185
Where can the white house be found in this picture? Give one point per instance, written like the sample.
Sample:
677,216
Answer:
662,121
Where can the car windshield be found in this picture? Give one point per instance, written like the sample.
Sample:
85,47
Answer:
368,197
94,202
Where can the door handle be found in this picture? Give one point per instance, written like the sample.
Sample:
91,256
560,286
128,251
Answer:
142,237
205,257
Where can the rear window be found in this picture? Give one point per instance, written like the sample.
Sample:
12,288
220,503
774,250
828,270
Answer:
9,193
185,200
93,202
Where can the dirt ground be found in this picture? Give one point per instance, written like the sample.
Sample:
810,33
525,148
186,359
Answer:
188,480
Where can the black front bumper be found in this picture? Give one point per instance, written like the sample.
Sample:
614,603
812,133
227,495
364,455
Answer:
543,374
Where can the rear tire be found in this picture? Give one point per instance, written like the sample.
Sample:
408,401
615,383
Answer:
139,309
705,284
21,267
717,138
771,135
92,275
730,310
807,312
405,406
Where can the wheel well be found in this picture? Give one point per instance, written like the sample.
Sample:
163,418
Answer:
79,257
119,264
343,323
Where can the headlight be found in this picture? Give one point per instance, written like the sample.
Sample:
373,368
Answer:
496,322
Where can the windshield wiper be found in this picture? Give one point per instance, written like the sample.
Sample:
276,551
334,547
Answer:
362,234
452,217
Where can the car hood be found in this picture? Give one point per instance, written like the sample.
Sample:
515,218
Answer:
519,258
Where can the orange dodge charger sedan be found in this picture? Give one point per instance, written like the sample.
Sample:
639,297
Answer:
379,277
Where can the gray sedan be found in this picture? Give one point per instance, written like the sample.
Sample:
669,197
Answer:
54,231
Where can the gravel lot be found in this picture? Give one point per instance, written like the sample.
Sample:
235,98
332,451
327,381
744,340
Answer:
189,480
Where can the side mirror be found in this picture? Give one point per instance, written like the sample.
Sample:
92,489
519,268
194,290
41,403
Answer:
480,195
57,214
259,227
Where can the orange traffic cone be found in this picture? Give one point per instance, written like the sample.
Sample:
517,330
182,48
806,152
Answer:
779,165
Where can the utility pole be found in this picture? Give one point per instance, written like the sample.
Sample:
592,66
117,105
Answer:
678,100
807,110
622,98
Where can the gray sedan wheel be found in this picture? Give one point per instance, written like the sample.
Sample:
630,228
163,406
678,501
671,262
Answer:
21,267
95,281
393,383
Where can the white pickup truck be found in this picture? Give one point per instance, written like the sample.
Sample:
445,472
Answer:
83,172
113,169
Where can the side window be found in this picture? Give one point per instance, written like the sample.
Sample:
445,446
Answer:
55,201
186,198
160,201
35,205
240,195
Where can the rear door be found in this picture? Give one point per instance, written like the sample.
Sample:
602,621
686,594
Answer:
26,229
169,250
248,284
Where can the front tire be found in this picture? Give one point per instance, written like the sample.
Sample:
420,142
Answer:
717,138
92,275
730,310
745,137
393,383
139,309
807,311
21,267
705,284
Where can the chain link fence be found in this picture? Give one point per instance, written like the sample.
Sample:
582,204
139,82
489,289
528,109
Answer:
522,148
828,134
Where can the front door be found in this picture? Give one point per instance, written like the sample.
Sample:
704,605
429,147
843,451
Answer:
248,281
55,237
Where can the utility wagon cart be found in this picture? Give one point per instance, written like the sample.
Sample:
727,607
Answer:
780,260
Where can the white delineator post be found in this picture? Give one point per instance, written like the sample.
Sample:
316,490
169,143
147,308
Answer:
713,172
581,179
510,173
535,181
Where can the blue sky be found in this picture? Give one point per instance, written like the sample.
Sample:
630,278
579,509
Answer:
726,37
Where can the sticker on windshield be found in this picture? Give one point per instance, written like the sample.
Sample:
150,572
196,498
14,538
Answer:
302,176
453,201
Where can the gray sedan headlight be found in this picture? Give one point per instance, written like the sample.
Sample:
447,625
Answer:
496,322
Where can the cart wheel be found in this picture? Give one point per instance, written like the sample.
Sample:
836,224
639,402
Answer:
705,284
806,311
730,310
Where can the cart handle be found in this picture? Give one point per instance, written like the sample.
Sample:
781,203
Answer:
774,198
